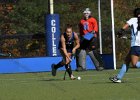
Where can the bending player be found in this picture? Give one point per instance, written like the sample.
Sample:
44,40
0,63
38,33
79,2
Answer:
67,49
134,52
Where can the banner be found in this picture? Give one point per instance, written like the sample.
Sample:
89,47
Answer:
52,35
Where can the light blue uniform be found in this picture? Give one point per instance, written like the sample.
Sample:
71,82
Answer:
135,34
135,45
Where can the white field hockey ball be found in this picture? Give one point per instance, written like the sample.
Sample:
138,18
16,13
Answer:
79,78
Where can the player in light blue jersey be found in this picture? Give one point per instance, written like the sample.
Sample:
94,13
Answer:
134,52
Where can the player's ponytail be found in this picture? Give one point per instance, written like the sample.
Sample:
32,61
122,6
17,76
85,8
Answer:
138,28
137,14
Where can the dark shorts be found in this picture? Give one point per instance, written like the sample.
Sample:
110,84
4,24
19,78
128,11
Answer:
85,44
69,50
135,50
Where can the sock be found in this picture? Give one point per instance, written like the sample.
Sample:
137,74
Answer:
122,71
59,65
138,64
68,68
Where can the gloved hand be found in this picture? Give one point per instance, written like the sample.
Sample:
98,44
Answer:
95,34
92,32
121,33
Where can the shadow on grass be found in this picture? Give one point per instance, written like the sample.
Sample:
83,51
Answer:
50,80
108,82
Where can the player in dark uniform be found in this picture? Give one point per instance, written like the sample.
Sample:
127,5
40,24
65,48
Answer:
67,49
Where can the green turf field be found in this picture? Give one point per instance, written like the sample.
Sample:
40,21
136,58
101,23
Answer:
93,86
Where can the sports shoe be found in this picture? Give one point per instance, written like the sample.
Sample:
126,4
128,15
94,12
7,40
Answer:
53,70
115,79
72,77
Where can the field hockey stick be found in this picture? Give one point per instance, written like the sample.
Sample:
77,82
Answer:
73,56
5,55
122,34
65,75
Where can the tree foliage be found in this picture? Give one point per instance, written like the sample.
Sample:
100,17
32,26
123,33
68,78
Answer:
28,17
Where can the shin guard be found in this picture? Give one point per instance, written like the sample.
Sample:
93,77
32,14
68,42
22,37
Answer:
68,68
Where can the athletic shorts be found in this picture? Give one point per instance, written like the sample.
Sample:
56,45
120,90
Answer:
69,50
135,50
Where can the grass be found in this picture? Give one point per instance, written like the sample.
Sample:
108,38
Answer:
93,86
